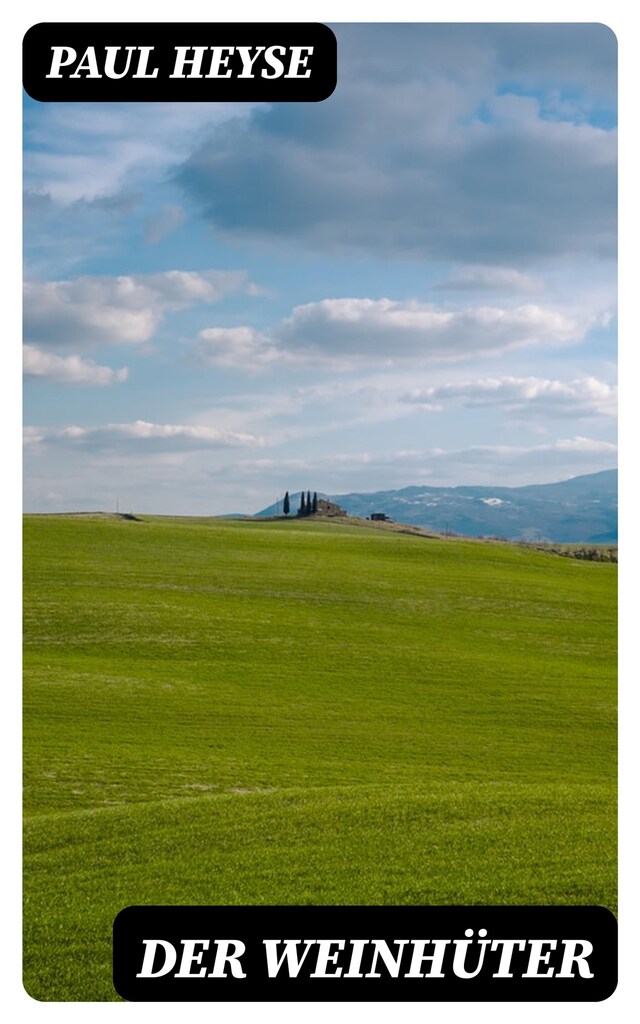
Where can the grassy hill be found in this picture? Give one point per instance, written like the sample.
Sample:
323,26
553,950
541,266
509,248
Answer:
298,712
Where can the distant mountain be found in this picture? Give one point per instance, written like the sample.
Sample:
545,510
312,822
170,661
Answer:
581,510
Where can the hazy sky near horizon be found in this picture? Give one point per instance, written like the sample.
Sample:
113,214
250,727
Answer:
412,282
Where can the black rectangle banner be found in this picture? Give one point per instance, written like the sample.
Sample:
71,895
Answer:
365,953
179,62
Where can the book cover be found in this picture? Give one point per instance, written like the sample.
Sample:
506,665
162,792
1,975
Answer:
321,511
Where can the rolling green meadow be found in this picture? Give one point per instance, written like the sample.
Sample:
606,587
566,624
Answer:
305,712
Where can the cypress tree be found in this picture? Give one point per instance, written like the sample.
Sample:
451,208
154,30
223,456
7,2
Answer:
301,510
308,503
315,502
285,505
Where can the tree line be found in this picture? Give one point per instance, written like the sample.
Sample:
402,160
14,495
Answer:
308,505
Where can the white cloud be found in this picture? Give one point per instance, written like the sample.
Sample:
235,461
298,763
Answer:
392,329
577,398
235,347
139,436
68,369
90,311
342,333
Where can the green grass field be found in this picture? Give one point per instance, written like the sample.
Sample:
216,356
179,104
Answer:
244,712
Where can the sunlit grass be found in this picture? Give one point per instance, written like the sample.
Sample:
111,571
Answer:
304,713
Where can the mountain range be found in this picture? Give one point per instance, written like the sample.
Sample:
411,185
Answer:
583,509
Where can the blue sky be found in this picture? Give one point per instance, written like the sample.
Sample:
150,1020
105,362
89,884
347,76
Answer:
412,282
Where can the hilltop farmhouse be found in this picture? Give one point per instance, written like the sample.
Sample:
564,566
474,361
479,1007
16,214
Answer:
329,508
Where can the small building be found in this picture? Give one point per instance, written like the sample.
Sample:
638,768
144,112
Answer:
329,508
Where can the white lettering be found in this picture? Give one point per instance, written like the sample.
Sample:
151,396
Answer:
110,62
357,950
570,957
290,954
87,63
218,61
58,62
189,956
537,957
508,946
298,61
223,956
460,955
383,952
247,60
326,957
273,61
143,60
170,957
182,60
436,958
